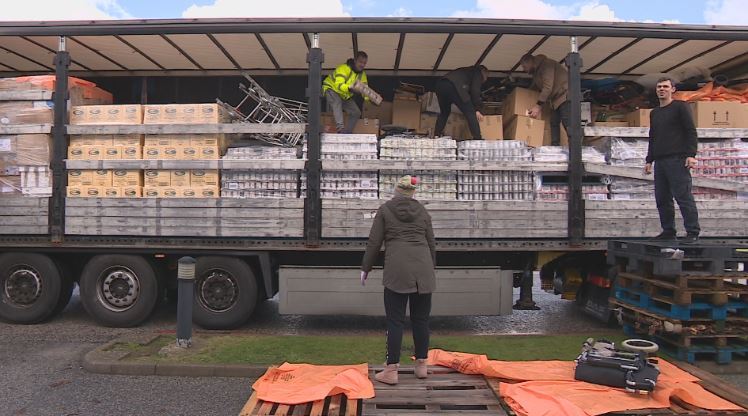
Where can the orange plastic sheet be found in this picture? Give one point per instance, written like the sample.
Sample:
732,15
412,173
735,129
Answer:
303,383
548,388
711,93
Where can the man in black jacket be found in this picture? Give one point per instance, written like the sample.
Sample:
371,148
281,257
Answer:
461,87
672,148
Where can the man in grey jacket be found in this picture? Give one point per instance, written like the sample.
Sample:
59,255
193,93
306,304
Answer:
552,80
461,87
404,226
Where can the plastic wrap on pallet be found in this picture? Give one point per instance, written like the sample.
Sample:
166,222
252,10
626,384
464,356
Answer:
406,148
260,183
432,185
345,184
25,150
494,150
722,159
495,185
346,147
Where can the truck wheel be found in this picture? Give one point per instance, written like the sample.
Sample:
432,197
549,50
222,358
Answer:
30,287
118,290
225,292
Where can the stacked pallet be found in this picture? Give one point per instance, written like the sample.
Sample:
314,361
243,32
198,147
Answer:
347,184
433,185
260,183
692,301
25,103
495,185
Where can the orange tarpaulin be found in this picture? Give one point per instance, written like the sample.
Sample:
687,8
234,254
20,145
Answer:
711,93
548,387
303,383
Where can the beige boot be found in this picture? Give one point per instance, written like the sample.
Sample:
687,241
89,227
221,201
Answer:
422,370
388,375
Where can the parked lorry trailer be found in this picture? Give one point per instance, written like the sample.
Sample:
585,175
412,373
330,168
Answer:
122,252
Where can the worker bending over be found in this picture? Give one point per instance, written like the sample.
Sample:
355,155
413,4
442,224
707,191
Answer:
552,80
461,87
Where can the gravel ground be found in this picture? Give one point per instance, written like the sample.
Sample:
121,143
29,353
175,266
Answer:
42,372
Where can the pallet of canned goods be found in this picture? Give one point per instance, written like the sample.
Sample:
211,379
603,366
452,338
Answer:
260,183
346,184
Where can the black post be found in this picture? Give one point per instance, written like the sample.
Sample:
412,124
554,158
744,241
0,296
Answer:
185,295
59,145
313,203
576,167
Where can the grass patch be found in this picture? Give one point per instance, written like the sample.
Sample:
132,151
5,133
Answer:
334,350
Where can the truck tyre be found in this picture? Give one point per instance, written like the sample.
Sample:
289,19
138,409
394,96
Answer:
30,287
119,290
225,292
66,289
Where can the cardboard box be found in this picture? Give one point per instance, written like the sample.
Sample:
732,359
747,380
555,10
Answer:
101,178
132,152
85,191
80,178
162,152
91,140
152,152
457,127
491,128
327,123
25,150
714,114
111,192
86,153
207,192
518,103
124,178
220,140
151,191
189,153
167,140
366,126
107,114
406,113
169,192
26,112
200,178
526,129
381,112
157,178
611,124
638,118
185,114
180,178
127,140
112,153
742,121
427,124
131,191
208,152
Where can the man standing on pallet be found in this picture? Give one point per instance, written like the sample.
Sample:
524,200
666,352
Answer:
461,87
672,149
338,88
552,80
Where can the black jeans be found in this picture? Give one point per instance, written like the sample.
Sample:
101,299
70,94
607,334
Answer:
420,309
447,94
673,180
558,116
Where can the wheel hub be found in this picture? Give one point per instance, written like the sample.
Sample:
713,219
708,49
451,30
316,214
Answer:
23,286
218,291
119,288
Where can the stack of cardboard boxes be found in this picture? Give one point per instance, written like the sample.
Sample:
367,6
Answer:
517,124
25,158
148,183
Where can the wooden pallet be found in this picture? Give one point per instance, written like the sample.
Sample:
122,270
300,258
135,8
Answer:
332,406
684,290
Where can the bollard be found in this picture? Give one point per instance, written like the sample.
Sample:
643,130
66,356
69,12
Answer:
185,294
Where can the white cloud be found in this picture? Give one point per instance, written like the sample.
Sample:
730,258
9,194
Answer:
508,9
63,10
594,11
268,8
401,12
726,12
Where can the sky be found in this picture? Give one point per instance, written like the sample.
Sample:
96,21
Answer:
713,12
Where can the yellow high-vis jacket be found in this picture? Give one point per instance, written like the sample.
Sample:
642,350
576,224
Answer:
342,79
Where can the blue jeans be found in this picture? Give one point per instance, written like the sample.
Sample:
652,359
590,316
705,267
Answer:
673,180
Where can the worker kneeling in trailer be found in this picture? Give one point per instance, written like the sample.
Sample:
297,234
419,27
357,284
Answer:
339,89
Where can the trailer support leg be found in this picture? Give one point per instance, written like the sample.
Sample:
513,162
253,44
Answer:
525,302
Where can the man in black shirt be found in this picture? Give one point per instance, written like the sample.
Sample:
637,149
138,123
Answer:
461,87
672,149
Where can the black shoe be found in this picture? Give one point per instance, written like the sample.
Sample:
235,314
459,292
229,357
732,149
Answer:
689,239
663,236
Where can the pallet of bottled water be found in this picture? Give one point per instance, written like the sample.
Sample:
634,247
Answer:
408,148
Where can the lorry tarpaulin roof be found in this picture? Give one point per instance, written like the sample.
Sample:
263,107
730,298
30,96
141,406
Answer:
548,387
400,46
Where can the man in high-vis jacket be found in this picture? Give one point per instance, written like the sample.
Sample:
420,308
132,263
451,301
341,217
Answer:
339,91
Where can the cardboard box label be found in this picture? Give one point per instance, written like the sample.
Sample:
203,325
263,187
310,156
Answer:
199,178
127,140
180,178
714,114
111,192
132,152
131,191
151,192
80,177
123,178
112,153
208,152
189,153
101,178
157,178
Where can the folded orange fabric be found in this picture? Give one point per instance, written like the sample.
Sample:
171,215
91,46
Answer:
303,383
548,388
711,93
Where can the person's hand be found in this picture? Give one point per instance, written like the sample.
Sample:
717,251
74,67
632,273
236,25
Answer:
364,276
535,111
691,162
479,116
648,169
